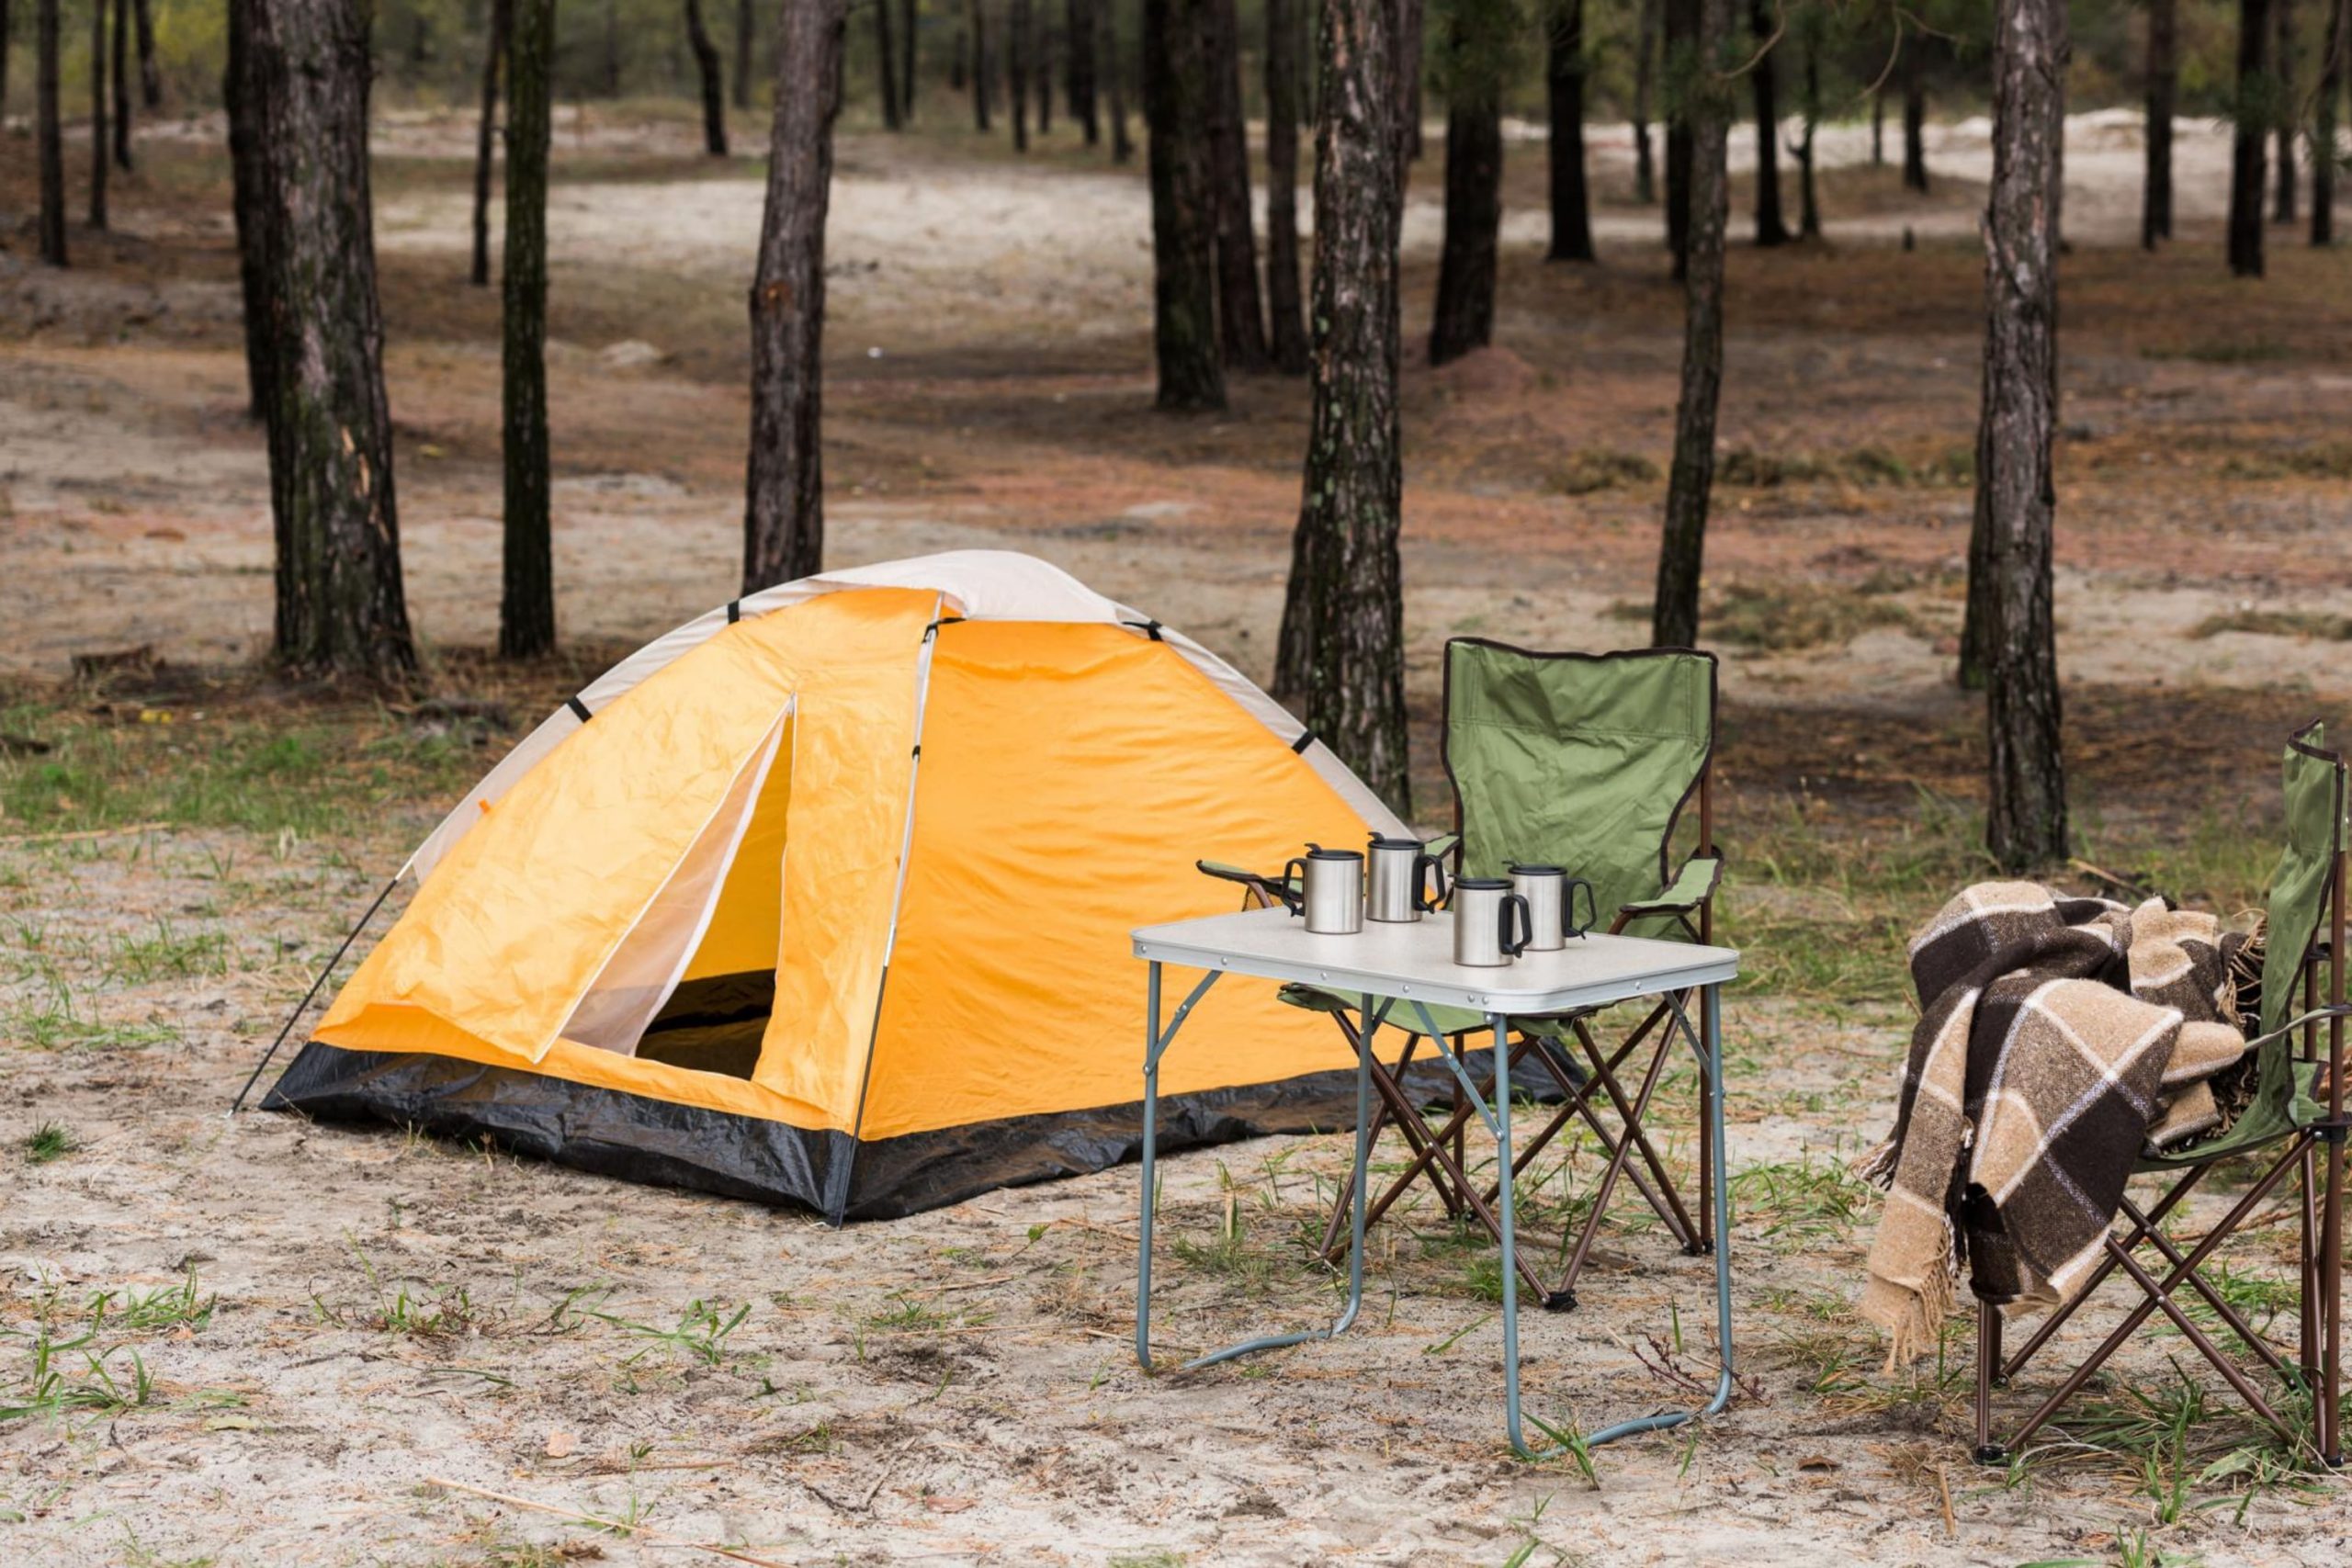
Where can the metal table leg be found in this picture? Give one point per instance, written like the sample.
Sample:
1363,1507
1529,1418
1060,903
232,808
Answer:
1709,1046
1156,1043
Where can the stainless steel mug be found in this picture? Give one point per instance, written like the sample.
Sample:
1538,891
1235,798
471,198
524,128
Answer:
1398,872
1485,911
1330,889
1551,895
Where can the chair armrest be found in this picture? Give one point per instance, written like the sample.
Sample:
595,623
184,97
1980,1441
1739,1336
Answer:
1445,846
1692,886
2338,1009
1263,892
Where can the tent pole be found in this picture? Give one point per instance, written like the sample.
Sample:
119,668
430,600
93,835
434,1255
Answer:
308,996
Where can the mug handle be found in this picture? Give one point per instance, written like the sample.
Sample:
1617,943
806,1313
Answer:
1296,902
1436,868
1526,922
1591,906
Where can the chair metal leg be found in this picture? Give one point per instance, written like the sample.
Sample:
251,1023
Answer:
2056,1320
1709,1065
2196,1281
1989,1362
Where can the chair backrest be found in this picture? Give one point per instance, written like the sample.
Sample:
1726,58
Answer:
2301,910
1579,760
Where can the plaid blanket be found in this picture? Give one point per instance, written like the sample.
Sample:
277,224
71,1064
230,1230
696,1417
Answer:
2058,1039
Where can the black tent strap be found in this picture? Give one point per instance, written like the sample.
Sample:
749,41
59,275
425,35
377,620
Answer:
734,611
1305,738
310,995
579,709
1150,628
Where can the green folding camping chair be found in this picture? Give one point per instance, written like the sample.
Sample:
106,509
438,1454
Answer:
1586,761
2295,1123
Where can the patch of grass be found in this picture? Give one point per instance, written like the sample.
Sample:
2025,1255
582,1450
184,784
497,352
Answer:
2223,351
421,1312
52,1386
1802,1202
702,1330
55,1022
49,1141
171,1307
1590,469
1745,468
1149,1557
2305,626
1785,618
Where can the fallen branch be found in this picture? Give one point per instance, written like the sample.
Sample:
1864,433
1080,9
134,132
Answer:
80,833
633,1531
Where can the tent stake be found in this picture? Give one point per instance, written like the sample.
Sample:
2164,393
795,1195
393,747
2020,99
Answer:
308,996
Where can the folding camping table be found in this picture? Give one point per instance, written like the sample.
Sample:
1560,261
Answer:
1410,967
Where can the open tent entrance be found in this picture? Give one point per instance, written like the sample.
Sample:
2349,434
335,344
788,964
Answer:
694,982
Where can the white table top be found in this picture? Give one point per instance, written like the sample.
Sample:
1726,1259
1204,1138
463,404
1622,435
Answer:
1414,961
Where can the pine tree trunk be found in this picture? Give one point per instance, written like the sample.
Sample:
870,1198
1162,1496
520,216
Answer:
1914,116
1042,66
486,135
1122,147
99,155
2026,826
1016,70
1079,22
2255,102
121,73
49,109
2283,204
746,29
2323,148
714,91
1563,70
1675,616
907,60
526,613
341,608
784,517
1241,318
1341,660
2164,80
1286,311
1475,46
1808,198
1681,66
1878,129
1644,69
956,66
151,76
885,59
979,66
1771,228
6,25
1179,99
613,50
247,184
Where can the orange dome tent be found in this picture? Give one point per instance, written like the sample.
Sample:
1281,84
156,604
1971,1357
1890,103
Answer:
823,898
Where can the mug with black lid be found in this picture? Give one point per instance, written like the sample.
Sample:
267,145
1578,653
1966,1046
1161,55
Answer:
1551,895
1486,914
1330,892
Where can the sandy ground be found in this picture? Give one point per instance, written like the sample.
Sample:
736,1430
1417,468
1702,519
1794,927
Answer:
959,1387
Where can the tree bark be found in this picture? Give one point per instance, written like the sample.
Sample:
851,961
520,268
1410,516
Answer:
1914,116
1878,129
714,90
1286,311
1564,73
49,109
1078,17
2164,82
1477,43
1177,104
746,29
2283,204
887,60
341,608
1644,69
2026,825
1674,621
486,136
612,61
1122,147
1411,23
956,66
6,25
1771,228
1682,31
907,60
99,155
1042,67
979,66
1016,70
2256,103
784,516
151,76
121,74
526,613
248,183
1341,664
1242,319
1808,198
2323,148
